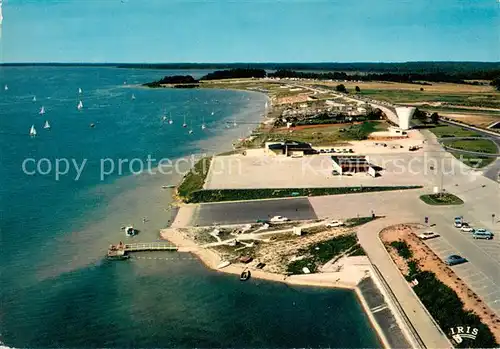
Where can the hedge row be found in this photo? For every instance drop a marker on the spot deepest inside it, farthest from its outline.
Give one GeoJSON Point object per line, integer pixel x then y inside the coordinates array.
{"type": "Point", "coordinates": [444, 305]}
{"type": "Point", "coordinates": [217, 195]}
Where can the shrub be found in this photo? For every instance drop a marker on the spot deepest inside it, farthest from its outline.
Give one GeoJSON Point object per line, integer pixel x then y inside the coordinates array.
{"type": "Point", "coordinates": [402, 248]}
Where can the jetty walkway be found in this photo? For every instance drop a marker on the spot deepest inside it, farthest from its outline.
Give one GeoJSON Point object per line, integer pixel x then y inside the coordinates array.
{"type": "Point", "coordinates": [122, 250]}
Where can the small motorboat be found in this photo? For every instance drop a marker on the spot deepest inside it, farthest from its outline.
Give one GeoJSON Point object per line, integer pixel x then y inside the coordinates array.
{"type": "Point", "coordinates": [168, 186]}
{"type": "Point", "coordinates": [245, 275]}
{"type": "Point", "coordinates": [117, 257]}
{"type": "Point", "coordinates": [223, 264]}
{"type": "Point", "coordinates": [130, 231]}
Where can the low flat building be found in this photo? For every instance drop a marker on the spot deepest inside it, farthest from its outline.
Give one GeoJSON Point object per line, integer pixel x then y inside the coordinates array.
{"type": "Point", "coordinates": [289, 148]}
{"type": "Point", "coordinates": [351, 164]}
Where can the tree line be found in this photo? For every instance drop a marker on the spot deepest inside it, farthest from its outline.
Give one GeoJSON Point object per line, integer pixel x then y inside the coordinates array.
{"type": "Point", "coordinates": [415, 78]}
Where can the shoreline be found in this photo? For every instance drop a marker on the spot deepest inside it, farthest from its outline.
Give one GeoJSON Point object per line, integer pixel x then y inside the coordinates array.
{"type": "Point", "coordinates": [341, 280]}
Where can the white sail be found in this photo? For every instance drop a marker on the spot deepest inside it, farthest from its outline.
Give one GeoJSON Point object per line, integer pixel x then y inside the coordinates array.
{"type": "Point", "coordinates": [42, 110]}
{"type": "Point", "coordinates": [80, 105]}
{"type": "Point", "coordinates": [6, 87]}
{"type": "Point", "coordinates": [34, 98]}
{"type": "Point", "coordinates": [213, 113]}
{"type": "Point", "coordinates": [32, 131]}
{"type": "Point", "coordinates": [80, 91]}
{"type": "Point", "coordinates": [133, 96]}
{"type": "Point", "coordinates": [170, 121]}
{"type": "Point", "coordinates": [47, 125]}
{"type": "Point", "coordinates": [203, 126]}
{"type": "Point", "coordinates": [184, 124]}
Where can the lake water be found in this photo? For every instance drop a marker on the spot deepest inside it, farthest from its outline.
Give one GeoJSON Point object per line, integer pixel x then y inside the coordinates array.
{"type": "Point", "coordinates": [56, 289]}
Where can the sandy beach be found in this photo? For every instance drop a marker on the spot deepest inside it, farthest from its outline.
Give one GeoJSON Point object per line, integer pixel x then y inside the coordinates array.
{"type": "Point", "coordinates": [347, 278]}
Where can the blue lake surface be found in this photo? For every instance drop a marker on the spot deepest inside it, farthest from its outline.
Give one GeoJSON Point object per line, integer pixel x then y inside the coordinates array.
{"type": "Point", "coordinates": [56, 289]}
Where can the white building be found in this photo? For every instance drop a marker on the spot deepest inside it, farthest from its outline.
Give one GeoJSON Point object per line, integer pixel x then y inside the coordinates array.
{"type": "Point", "coordinates": [404, 115]}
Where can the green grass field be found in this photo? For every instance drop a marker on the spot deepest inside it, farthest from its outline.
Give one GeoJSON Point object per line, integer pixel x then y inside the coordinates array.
{"type": "Point", "coordinates": [406, 96]}
{"type": "Point", "coordinates": [478, 145]}
{"type": "Point", "coordinates": [329, 134]}
{"type": "Point", "coordinates": [441, 199]}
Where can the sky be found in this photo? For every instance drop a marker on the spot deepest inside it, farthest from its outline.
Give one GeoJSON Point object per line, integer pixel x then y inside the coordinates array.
{"type": "Point", "coordinates": [153, 31]}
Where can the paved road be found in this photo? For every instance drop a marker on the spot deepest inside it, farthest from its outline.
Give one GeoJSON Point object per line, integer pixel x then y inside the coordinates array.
{"type": "Point", "coordinates": [250, 211]}
{"type": "Point", "coordinates": [368, 236]}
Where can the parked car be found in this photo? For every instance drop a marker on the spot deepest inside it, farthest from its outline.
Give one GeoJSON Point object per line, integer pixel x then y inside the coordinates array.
{"type": "Point", "coordinates": [482, 234]}
{"type": "Point", "coordinates": [466, 228]}
{"type": "Point", "coordinates": [428, 235]}
{"type": "Point", "coordinates": [458, 222]}
{"type": "Point", "coordinates": [454, 259]}
{"type": "Point", "coordinates": [334, 224]}
{"type": "Point", "coordinates": [277, 219]}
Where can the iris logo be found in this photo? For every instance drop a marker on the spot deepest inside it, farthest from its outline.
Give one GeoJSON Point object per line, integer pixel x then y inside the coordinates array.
{"type": "Point", "coordinates": [460, 332]}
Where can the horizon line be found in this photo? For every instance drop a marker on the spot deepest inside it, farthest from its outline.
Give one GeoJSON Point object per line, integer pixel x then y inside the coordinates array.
{"type": "Point", "coordinates": [229, 63]}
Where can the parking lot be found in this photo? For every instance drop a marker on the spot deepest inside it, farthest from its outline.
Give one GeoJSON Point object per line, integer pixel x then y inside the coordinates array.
{"type": "Point", "coordinates": [260, 170]}
{"type": "Point", "coordinates": [486, 286]}
{"type": "Point", "coordinates": [251, 211]}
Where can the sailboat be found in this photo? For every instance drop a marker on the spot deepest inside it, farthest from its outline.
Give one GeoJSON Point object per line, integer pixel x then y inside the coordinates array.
{"type": "Point", "coordinates": [191, 129]}
{"type": "Point", "coordinates": [42, 110]}
{"type": "Point", "coordinates": [34, 98]}
{"type": "Point", "coordinates": [170, 121]}
{"type": "Point", "coordinates": [213, 112]}
{"type": "Point", "coordinates": [203, 126]}
{"type": "Point", "coordinates": [133, 96]}
{"type": "Point", "coordinates": [6, 87]}
{"type": "Point", "coordinates": [184, 124]}
{"type": "Point", "coordinates": [32, 131]}
{"type": "Point", "coordinates": [80, 91]}
{"type": "Point", "coordinates": [47, 125]}
{"type": "Point", "coordinates": [80, 105]}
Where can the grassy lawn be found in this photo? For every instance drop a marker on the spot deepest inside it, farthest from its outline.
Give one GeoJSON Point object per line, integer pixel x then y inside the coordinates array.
{"type": "Point", "coordinates": [219, 195]}
{"type": "Point", "coordinates": [194, 180]}
{"type": "Point", "coordinates": [333, 134]}
{"type": "Point", "coordinates": [479, 145]}
{"type": "Point", "coordinates": [408, 96]}
{"type": "Point", "coordinates": [441, 199]}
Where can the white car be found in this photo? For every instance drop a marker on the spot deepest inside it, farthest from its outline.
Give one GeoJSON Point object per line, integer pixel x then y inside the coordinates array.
{"type": "Point", "coordinates": [278, 219]}
{"type": "Point", "coordinates": [467, 228]}
{"type": "Point", "coordinates": [334, 224]}
{"type": "Point", "coordinates": [428, 235]}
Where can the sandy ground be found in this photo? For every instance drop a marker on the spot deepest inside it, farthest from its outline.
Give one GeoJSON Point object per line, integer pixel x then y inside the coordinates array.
{"type": "Point", "coordinates": [435, 87]}
{"type": "Point", "coordinates": [292, 99]}
{"type": "Point", "coordinates": [348, 277]}
{"type": "Point", "coordinates": [474, 119]}
{"type": "Point", "coordinates": [259, 169]}
{"type": "Point", "coordinates": [427, 260]}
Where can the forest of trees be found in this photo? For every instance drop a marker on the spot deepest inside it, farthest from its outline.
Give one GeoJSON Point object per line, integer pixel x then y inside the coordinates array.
{"type": "Point", "coordinates": [237, 73]}
{"type": "Point", "coordinates": [393, 77]}
{"type": "Point", "coordinates": [176, 79]}
{"type": "Point", "coordinates": [416, 78]}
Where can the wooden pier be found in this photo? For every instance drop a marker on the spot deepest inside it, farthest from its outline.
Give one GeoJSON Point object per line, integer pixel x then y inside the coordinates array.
{"type": "Point", "coordinates": [150, 246]}
{"type": "Point", "coordinates": [121, 250]}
